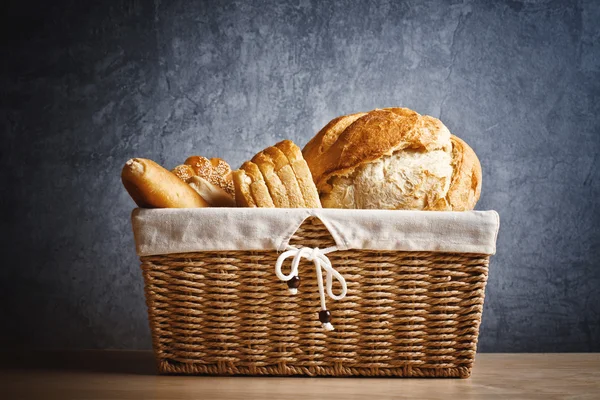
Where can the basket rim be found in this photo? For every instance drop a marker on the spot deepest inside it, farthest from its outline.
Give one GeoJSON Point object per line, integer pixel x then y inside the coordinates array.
{"type": "Point", "coordinates": [167, 231]}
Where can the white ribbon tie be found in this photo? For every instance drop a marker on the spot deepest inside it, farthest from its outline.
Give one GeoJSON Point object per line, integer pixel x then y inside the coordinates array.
{"type": "Point", "coordinates": [321, 261]}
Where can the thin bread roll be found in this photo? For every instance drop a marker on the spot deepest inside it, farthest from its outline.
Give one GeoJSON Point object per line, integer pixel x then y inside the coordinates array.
{"type": "Point", "coordinates": [301, 172]}
{"type": "Point", "coordinates": [241, 182]}
{"type": "Point", "coordinates": [152, 186]}
{"type": "Point", "coordinates": [258, 188]}
{"type": "Point", "coordinates": [276, 188]}
{"type": "Point", "coordinates": [286, 174]}
{"type": "Point", "coordinates": [393, 158]}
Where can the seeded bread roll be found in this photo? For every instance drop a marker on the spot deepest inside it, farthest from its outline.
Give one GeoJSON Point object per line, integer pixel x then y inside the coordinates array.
{"type": "Point", "coordinates": [393, 158]}
{"type": "Point", "coordinates": [152, 186]}
{"type": "Point", "coordinates": [215, 171]}
{"type": "Point", "coordinates": [211, 186]}
{"type": "Point", "coordinates": [183, 172]}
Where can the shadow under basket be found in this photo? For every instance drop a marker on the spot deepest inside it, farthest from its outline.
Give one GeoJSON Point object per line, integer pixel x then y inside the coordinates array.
{"type": "Point", "coordinates": [406, 314]}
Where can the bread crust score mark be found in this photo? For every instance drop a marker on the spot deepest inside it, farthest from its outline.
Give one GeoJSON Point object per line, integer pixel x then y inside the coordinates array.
{"type": "Point", "coordinates": [327, 136]}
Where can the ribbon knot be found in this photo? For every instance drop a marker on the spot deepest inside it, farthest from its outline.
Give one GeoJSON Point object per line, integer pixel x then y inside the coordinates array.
{"type": "Point", "coordinates": [321, 261]}
{"type": "Point", "coordinates": [314, 254]}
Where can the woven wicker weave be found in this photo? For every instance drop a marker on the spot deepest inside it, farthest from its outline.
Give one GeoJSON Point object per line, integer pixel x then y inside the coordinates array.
{"type": "Point", "coordinates": [410, 314]}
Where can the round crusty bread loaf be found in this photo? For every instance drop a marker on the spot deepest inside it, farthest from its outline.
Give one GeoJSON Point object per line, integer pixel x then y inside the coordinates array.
{"type": "Point", "coordinates": [393, 158]}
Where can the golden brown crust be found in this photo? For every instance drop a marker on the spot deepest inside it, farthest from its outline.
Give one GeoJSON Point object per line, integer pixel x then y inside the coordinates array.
{"type": "Point", "coordinates": [383, 132]}
{"type": "Point", "coordinates": [241, 182]}
{"type": "Point", "coordinates": [465, 186]}
{"type": "Point", "coordinates": [378, 133]}
{"type": "Point", "coordinates": [278, 177]}
{"type": "Point", "coordinates": [301, 172]}
{"type": "Point", "coordinates": [328, 135]}
{"type": "Point", "coordinates": [215, 171]}
{"type": "Point", "coordinates": [258, 188]}
{"type": "Point", "coordinates": [286, 174]}
{"type": "Point", "coordinates": [152, 186]}
{"type": "Point", "coordinates": [276, 188]}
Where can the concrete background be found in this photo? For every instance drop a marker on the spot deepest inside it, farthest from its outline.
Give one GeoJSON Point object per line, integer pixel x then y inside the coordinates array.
{"type": "Point", "coordinates": [87, 85]}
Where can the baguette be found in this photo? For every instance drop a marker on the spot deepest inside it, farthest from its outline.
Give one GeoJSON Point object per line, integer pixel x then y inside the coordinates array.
{"type": "Point", "coordinates": [152, 186]}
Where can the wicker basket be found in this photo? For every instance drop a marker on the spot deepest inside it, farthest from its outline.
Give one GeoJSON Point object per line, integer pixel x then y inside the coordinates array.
{"type": "Point", "coordinates": [406, 314]}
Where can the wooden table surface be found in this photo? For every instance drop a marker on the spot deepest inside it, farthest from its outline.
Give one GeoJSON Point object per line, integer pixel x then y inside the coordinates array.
{"type": "Point", "coordinates": [131, 375]}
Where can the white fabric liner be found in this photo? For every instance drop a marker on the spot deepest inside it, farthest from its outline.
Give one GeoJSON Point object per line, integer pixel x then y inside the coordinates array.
{"type": "Point", "coordinates": [170, 230]}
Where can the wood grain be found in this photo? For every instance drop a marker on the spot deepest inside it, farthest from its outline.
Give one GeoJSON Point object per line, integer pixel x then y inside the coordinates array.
{"type": "Point", "coordinates": [131, 375]}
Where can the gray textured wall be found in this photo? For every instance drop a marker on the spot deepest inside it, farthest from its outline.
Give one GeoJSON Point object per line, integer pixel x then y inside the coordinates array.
{"type": "Point", "coordinates": [86, 86]}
